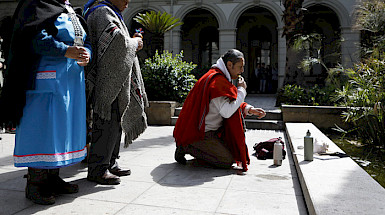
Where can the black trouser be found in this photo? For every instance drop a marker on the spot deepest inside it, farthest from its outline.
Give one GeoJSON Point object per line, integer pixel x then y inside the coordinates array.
{"type": "Point", "coordinates": [105, 142]}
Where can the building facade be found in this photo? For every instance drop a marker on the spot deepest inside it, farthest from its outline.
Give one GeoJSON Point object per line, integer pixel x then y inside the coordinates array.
{"type": "Point", "coordinates": [253, 26]}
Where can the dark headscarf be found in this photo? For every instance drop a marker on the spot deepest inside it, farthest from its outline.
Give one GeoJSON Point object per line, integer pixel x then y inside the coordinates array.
{"type": "Point", "coordinates": [29, 19]}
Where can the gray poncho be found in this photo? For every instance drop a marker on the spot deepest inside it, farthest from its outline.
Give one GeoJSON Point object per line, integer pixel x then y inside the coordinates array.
{"type": "Point", "coordinates": [114, 72]}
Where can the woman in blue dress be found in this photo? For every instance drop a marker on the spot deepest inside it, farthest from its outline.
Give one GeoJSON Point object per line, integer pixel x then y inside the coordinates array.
{"type": "Point", "coordinates": [44, 93]}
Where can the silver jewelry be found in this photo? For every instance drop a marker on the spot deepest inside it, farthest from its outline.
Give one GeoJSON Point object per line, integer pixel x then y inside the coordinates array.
{"type": "Point", "coordinates": [78, 41]}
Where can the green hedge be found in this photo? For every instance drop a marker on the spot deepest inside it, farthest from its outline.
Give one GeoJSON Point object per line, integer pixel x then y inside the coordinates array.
{"type": "Point", "coordinates": [168, 78]}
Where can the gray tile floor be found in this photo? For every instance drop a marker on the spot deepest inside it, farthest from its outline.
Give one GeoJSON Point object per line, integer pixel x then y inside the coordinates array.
{"type": "Point", "coordinates": [159, 185]}
{"type": "Point", "coordinates": [265, 101]}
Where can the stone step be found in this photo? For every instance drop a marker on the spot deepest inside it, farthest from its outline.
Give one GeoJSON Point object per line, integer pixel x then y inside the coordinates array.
{"type": "Point", "coordinates": [270, 114]}
{"type": "Point", "coordinates": [264, 124]}
{"type": "Point", "coordinates": [272, 121]}
{"type": "Point", "coordinates": [177, 111]}
{"type": "Point", "coordinates": [173, 120]}
{"type": "Point", "coordinates": [253, 124]}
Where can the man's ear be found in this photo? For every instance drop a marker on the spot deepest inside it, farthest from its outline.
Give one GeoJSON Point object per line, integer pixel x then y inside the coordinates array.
{"type": "Point", "coordinates": [229, 64]}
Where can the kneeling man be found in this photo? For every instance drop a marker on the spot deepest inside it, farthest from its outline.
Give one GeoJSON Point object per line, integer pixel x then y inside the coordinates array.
{"type": "Point", "coordinates": [210, 126]}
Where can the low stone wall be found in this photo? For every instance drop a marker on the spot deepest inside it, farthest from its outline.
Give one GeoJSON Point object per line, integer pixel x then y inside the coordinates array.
{"type": "Point", "coordinates": [323, 117]}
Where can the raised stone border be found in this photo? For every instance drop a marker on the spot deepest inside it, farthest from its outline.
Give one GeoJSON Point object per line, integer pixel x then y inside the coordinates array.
{"type": "Point", "coordinates": [333, 185]}
{"type": "Point", "coordinates": [321, 116]}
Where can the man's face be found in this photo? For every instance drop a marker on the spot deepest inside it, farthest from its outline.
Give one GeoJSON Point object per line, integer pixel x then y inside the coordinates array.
{"type": "Point", "coordinates": [236, 69]}
{"type": "Point", "coordinates": [121, 4]}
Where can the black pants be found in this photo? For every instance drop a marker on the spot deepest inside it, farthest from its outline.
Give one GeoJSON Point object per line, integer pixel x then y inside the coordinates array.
{"type": "Point", "coordinates": [105, 142]}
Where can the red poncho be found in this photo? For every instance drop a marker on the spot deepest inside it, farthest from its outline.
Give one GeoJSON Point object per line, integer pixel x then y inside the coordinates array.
{"type": "Point", "coordinates": [190, 126]}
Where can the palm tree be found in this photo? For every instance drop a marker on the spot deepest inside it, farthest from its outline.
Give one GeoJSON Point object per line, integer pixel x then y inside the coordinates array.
{"type": "Point", "coordinates": [157, 23]}
{"type": "Point", "coordinates": [293, 18]}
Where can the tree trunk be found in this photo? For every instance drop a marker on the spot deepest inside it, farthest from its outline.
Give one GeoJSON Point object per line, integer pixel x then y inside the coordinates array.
{"type": "Point", "coordinates": [293, 18]}
{"type": "Point", "coordinates": [157, 43]}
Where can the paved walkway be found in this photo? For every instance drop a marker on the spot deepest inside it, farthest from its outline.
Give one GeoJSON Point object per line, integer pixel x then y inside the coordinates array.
{"type": "Point", "coordinates": [265, 101]}
{"type": "Point", "coordinates": [159, 185]}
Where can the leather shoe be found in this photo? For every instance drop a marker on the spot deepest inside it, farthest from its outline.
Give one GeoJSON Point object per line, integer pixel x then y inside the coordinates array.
{"type": "Point", "coordinates": [179, 155]}
{"type": "Point", "coordinates": [120, 172]}
{"type": "Point", "coordinates": [106, 179]}
{"type": "Point", "coordinates": [59, 186]}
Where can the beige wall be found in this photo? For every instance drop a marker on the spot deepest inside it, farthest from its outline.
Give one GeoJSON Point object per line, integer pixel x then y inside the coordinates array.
{"type": "Point", "coordinates": [227, 13]}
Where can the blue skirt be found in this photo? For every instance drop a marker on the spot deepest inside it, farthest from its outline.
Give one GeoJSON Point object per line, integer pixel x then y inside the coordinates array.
{"type": "Point", "coordinates": [52, 131]}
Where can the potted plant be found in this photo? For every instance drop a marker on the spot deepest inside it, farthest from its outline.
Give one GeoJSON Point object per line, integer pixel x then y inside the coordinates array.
{"type": "Point", "coordinates": [168, 80]}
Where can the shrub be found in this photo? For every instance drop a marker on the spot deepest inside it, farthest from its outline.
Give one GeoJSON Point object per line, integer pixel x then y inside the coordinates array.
{"type": "Point", "coordinates": [297, 95]}
{"type": "Point", "coordinates": [292, 94]}
{"type": "Point", "coordinates": [364, 95]}
{"type": "Point", "coordinates": [168, 78]}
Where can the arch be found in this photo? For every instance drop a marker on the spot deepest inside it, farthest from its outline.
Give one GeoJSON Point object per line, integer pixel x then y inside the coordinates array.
{"type": "Point", "coordinates": [216, 11]}
{"type": "Point", "coordinates": [322, 20]}
{"type": "Point", "coordinates": [128, 15]}
{"type": "Point", "coordinates": [272, 7]}
{"type": "Point", "coordinates": [336, 6]}
{"type": "Point", "coordinates": [200, 37]}
{"type": "Point", "coordinates": [257, 37]}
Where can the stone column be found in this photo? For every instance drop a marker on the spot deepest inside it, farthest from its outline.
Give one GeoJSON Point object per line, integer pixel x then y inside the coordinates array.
{"type": "Point", "coordinates": [227, 39]}
{"type": "Point", "coordinates": [172, 40]}
{"type": "Point", "coordinates": [176, 40]}
{"type": "Point", "coordinates": [281, 57]}
{"type": "Point", "coordinates": [167, 41]}
{"type": "Point", "coordinates": [350, 50]}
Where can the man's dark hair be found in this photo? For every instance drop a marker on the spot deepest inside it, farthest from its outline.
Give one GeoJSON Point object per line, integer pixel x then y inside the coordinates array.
{"type": "Point", "coordinates": [232, 55]}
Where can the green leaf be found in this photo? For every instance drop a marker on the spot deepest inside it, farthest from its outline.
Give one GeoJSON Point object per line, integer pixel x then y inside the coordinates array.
{"type": "Point", "coordinates": [157, 22]}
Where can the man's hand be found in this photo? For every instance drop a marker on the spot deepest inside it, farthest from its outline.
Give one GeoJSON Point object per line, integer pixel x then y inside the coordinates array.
{"type": "Point", "coordinates": [242, 82]}
{"type": "Point", "coordinates": [140, 43]}
{"type": "Point", "coordinates": [78, 53]}
{"type": "Point", "coordinates": [258, 112]}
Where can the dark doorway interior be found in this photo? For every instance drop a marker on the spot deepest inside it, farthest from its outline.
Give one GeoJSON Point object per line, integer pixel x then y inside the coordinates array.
{"type": "Point", "coordinates": [200, 40]}
{"type": "Point", "coordinates": [257, 38]}
{"type": "Point", "coordinates": [259, 60]}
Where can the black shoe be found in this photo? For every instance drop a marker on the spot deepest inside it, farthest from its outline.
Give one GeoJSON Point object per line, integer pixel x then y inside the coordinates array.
{"type": "Point", "coordinates": [59, 186]}
{"type": "Point", "coordinates": [38, 188]}
{"type": "Point", "coordinates": [106, 179]}
{"type": "Point", "coordinates": [179, 155]}
{"type": "Point", "coordinates": [120, 172]}
{"type": "Point", "coordinates": [38, 194]}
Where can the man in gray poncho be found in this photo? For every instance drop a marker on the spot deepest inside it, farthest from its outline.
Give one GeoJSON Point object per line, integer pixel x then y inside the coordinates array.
{"type": "Point", "coordinates": [116, 89]}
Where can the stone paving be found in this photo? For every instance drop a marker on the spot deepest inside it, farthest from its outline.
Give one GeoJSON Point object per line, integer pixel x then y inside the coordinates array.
{"type": "Point", "coordinates": [265, 101]}
{"type": "Point", "coordinates": [159, 185]}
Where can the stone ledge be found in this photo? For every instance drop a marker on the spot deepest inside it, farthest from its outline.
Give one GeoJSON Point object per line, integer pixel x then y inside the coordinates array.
{"type": "Point", "coordinates": [333, 185]}
{"type": "Point", "coordinates": [264, 124]}
{"type": "Point", "coordinates": [321, 116]}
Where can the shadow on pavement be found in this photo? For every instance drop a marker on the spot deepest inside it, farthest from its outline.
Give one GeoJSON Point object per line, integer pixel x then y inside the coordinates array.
{"type": "Point", "coordinates": [190, 174]}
